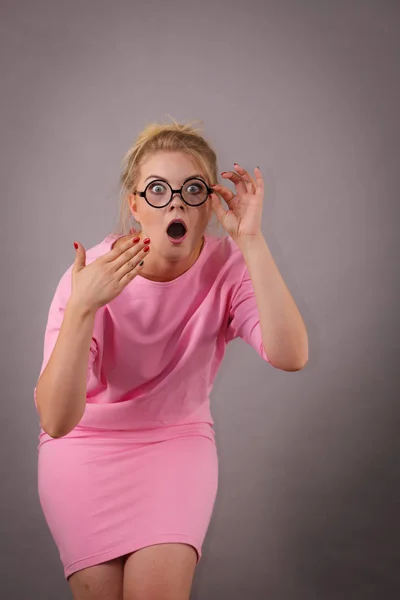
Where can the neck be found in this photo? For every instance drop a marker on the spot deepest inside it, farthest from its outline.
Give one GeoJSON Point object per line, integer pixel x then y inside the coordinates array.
{"type": "Point", "coordinates": [162, 269]}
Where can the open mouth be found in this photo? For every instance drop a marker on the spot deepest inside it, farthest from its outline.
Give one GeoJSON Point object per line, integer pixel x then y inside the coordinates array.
{"type": "Point", "coordinates": [177, 230]}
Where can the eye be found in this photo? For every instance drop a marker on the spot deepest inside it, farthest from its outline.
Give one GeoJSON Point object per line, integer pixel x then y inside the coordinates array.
{"type": "Point", "coordinates": [196, 188]}
{"type": "Point", "coordinates": [155, 185]}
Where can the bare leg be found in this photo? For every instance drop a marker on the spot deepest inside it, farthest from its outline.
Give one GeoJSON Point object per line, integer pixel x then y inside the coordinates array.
{"type": "Point", "coordinates": [100, 582]}
{"type": "Point", "coordinates": [162, 571]}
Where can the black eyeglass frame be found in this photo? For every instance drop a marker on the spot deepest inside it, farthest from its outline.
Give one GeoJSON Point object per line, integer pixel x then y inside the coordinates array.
{"type": "Point", "coordinates": [143, 194]}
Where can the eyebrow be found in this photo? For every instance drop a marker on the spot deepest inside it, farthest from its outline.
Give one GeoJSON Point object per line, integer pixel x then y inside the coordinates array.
{"type": "Point", "coordinates": [163, 178]}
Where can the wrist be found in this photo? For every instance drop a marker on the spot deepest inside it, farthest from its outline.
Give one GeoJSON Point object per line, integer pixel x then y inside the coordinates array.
{"type": "Point", "coordinates": [80, 309]}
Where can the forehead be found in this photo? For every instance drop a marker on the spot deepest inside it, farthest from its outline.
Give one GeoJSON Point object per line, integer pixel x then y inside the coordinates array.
{"type": "Point", "coordinates": [174, 166]}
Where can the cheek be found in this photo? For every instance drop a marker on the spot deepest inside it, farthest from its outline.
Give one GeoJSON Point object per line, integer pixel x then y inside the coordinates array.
{"type": "Point", "coordinates": [209, 209]}
{"type": "Point", "coordinates": [150, 217]}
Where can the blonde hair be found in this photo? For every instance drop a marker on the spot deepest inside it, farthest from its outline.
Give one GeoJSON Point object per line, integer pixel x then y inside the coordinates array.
{"type": "Point", "coordinates": [155, 137]}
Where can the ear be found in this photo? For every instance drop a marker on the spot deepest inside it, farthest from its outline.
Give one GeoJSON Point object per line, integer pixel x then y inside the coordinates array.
{"type": "Point", "coordinates": [133, 207]}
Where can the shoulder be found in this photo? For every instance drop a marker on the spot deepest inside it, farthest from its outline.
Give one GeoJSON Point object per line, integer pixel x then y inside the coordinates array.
{"type": "Point", "coordinates": [112, 240]}
{"type": "Point", "coordinates": [224, 251]}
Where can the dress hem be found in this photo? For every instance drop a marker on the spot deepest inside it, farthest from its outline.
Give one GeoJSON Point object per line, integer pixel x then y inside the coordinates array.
{"type": "Point", "coordinates": [121, 550]}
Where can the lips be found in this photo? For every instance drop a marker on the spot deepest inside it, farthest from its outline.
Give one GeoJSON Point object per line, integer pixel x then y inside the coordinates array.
{"type": "Point", "coordinates": [174, 231]}
{"type": "Point", "coordinates": [177, 221]}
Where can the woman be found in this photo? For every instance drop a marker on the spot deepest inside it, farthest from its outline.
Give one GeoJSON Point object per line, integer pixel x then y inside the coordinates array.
{"type": "Point", "coordinates": [137, 329]}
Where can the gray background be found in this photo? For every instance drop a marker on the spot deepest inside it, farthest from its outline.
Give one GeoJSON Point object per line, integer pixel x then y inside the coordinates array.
{"type": "Point", "coordinates": [308, 498]}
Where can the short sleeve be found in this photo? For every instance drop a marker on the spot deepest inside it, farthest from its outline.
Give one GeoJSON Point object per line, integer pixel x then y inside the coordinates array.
{"type": "Point", "coordinates": [244, 320]}
{"type": "Point", "coordinates": [54, 322]}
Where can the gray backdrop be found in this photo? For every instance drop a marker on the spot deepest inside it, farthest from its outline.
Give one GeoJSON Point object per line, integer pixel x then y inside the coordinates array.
{"type": "Point", "coordinates": [308, 498]}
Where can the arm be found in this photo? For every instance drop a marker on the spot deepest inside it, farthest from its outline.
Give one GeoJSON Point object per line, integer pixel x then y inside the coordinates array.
{"type": "Point", "coordinates": [61, 388]}
{"type": "Point", "coordinates": [284, 334]}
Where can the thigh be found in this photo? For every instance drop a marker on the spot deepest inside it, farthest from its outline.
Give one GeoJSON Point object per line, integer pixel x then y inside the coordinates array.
{"type": "Point", "coordinates": [100, 582]}
{"type": "Point", "coordinates": [161, 571]}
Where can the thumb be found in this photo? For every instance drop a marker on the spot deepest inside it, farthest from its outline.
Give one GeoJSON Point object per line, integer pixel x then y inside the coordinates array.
{"type": "Point", "coordinates": [80, 258]}
{"type": "Point", "coordinates": [217, 207]}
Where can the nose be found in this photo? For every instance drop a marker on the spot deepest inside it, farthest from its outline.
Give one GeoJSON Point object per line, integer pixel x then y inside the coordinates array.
{"type": "Point", "coordinates": [176, 199]}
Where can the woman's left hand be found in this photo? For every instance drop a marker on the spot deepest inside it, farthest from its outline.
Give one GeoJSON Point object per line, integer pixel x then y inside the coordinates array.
{"type": "Point", "coordinates": [243, 218]}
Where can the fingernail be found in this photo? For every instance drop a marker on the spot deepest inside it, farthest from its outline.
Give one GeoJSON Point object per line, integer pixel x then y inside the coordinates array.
{"type": "Point", "coordinates": [141, 263]}
{"type": "Point", "coordinates": [135, 240]}
{"type": "Point", "coordinates": [76, 246]}
{"type": "Point", "coordinates": [146, 241]}
{"type": "Point", "coordinates": [146, 249]}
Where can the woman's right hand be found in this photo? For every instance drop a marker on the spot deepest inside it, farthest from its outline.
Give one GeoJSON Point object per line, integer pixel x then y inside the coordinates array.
{"type": "Point", "coordinates": [100, 282]}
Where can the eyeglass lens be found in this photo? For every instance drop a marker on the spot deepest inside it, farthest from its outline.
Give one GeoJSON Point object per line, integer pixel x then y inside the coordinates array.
{"type": "Point", "coordinates": [194, 192]}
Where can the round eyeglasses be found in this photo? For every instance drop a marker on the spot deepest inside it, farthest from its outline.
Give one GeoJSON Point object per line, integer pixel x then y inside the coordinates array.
{"type": "Point", "coordinates": [159, 193]}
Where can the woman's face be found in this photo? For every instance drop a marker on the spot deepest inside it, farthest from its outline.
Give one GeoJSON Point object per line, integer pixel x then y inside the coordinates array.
{"type": "Point", "coordinates": [166, 258]}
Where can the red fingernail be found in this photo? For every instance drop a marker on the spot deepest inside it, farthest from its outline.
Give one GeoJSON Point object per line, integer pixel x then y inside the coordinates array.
{"type": "Point", "coordinates": [135, 240]}
{"type": "Point", "coordinates": [146, 249]}
{"type": "Point", "coordinates": [146, 241]}
{"type": "Point", "coordinates": [76, 246]}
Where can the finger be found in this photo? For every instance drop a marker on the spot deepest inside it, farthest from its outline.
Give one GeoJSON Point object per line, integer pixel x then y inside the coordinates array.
{"type": "Point", "coordinates": [236, 180]}
{"type": "Point", "coordinates": [217, 206]}
{"type": "Point", "coordinates": [80, 257]}
{"type": "Point", "coordinates": [130, 270]}
{"type": "Point", "coordinates": [259, 179]}
{"type": "Point", "coordinates": [130, 254]}
{"type": "Point", "coordinates": [249, 181]}
{"type": "Point", "coordinates": [117, 251]}
{"type": "Point", "coordinates": [121, 240]}
{"type": "Point", "coordinates": [225, 192]}
{"type": "Point", "coordinates": [130, 266]}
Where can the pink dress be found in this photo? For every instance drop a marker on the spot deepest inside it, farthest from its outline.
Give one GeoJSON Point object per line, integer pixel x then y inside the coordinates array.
{"type": "Point", "coordinates": [141, 467]}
